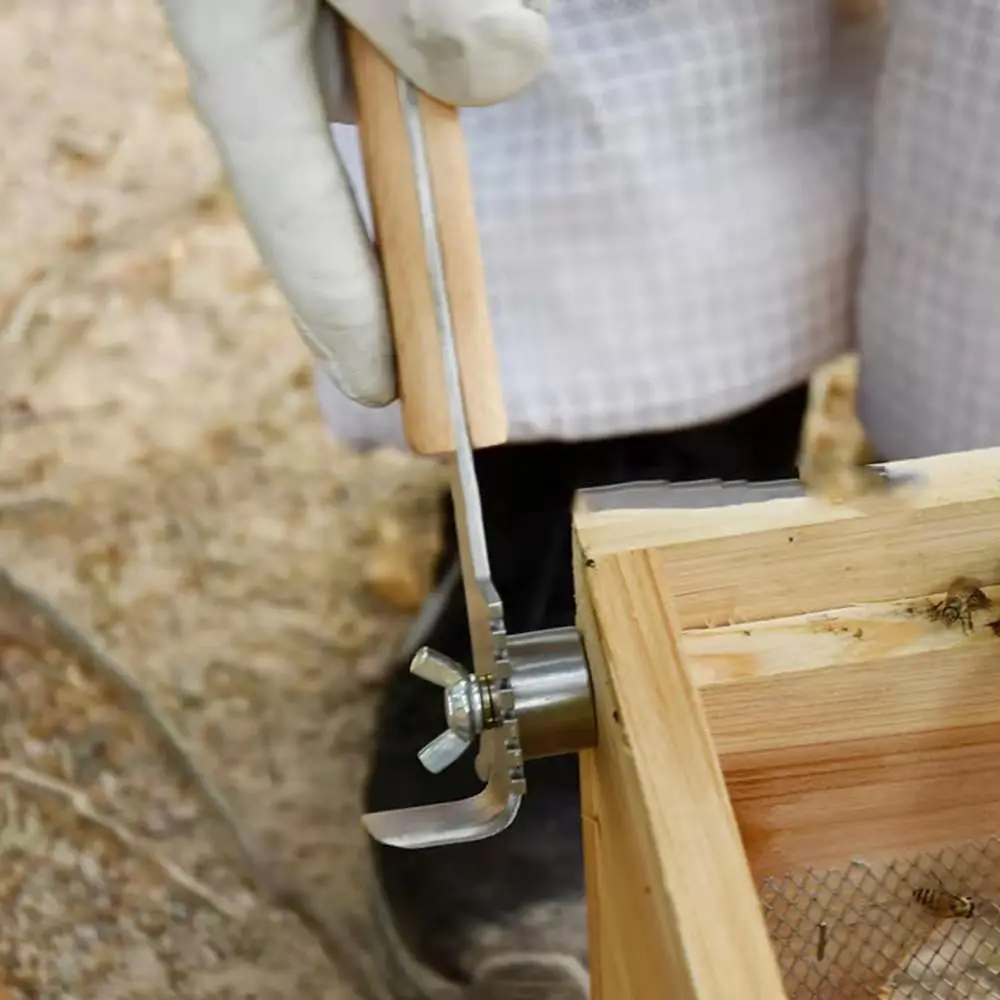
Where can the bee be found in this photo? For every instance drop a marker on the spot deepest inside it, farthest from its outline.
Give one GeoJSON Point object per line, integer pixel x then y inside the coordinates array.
{"type": "Point", "coordinates": [821, 941]}
{"type": "Point", "coordinates": [964, 596]}
{"type": "Point", "coordinates": [994, 627]}
{"type": "Point", "coordinates": [944, 904]}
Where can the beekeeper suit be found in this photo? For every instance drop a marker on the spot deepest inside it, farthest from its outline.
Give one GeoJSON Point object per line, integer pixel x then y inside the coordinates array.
{"type": "Point", "coordinates": [684, 207]}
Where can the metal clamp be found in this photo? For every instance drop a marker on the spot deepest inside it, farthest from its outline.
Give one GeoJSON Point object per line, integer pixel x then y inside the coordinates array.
{"type": "Point", "coordinates": [551, 692]}
{"type": "Point", "coordinates": [548, 693]}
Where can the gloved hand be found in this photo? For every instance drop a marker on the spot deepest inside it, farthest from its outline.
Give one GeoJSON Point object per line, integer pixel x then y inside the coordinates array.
{"type": "Point", "coordinates": [267, 77]}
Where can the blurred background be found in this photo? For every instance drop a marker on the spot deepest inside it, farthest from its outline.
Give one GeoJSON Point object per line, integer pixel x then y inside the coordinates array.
{"type": "Point", "coordinates": [186, 558]}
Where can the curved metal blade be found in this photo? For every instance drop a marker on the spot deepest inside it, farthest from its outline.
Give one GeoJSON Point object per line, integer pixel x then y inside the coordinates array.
{"type": "Point", "coordinates": [460, 822]}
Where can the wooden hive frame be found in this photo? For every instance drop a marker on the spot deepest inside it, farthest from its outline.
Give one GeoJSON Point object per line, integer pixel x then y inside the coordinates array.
{"type": "Point", "coordinates": [771, 695]}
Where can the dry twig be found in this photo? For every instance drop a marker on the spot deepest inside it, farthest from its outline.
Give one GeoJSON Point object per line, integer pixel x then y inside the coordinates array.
{"type": "Point", "coordinates": [73, 641]}
{"type": "Point", "coordinates": [342, 943]}
{"type": "Point", "coordinates": [31, 507]}
{"type": "Point", "coordinates": [82, 806]}
{"type": "Point", "coordinates": [38, 292]}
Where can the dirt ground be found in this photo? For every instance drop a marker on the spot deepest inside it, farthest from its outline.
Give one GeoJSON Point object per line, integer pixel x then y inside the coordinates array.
{"type": "Point", "coordinates": [166, 484]}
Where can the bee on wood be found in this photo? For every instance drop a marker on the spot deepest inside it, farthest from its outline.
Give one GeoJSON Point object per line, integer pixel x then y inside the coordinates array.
{"type": "Point", "coordinates": [943, 904]}
{"type": "Point", "coordinates": [994, 627]}
{"type": "Point", "coordinates": [964, 596]}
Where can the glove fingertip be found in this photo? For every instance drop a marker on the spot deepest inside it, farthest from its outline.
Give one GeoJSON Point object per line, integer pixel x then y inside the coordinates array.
{"type": "Point", "coordinates": [362, 366]}
{"type": "Point", "coordinates": [371, 387]}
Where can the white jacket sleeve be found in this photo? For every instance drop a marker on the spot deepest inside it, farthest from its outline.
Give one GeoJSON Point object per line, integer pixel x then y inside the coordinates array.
{"type": "Point", "coordinates": [929, 311]}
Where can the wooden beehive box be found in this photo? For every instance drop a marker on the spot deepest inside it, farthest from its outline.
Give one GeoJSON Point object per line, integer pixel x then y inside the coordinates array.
{"type": "Point", "coordinates": [773, 698]}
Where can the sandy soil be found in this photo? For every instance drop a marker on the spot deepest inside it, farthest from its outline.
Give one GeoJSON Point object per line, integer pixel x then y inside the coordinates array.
{"type": "Point", "coordinates": [166, 484]}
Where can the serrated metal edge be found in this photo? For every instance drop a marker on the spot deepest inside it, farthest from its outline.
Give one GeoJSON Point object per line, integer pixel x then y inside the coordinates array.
{"type": "Point", "coordinates": [701, 494]}
{"type": "Point", "coordinates": [696, 494]}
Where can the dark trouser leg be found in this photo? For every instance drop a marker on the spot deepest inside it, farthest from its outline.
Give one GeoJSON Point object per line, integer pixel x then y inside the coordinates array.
{"type": "Point", "coordinates": [441, 900]}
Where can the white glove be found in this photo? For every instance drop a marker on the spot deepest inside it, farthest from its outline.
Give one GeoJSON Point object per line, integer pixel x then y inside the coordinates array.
{"type": "Point", "coordinates": [267, 77]}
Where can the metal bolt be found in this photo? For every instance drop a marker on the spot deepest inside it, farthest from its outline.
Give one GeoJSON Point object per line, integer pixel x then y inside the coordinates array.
{"type": "Point", "coordinates": [552, 698]}
{"type": "Point", "coordinates": [466, 708]}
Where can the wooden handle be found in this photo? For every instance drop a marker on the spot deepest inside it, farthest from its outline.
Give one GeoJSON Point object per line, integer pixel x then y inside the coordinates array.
{"type": "Point", "coordinates": [398, 233]}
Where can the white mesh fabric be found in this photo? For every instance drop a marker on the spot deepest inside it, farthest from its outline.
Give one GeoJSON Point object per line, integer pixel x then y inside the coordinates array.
{"type": "Point", "coordinates": [667, 217]}
{"type": "Point", "coordinates": [929, 309]}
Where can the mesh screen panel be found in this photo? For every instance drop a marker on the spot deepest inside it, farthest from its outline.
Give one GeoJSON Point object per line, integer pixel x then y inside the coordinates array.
{"type": "Point", "coordinates": [887, 931]}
